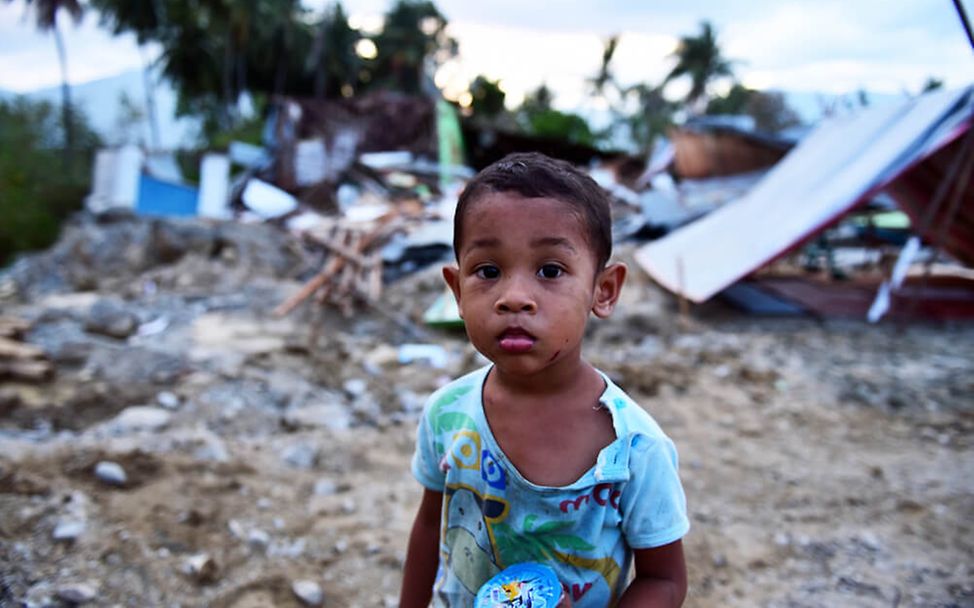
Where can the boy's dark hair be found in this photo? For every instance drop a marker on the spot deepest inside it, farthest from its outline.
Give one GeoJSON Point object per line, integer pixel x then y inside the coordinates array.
{"type": "Point", "coordinates": [534, 175]}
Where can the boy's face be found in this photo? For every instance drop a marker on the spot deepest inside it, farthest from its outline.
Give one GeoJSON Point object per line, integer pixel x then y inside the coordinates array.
{"type": "Point", "coordinates": [526, 282]}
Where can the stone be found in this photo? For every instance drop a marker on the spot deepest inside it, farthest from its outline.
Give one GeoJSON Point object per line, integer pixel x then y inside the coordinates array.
{"type": "Point", "coordinates": [69, 530]}
{"type": "Point", "coordinates": [168, 400]}
{"type": "Point", "coordinates": [324, 415]}
{"type": "Point", "coordinates": [140, 418]}
{"type": "Point", "coordinates": [111, 473]}
{"type": "Point", "coordinates": [355, 387]}
{"type": "Point", "coordinates": [202, 568]}
{"type": "Point", "coordinates": [300, 456]}
{"type": "Point", "coordinates": [77, 593]}
{"type": "Point", "coordinates": [258, 539]}
{"type": "Point", "coordinates": [325, 487]}
{"type": "Point", "coordinates": [309, 592]}
{"type": "Point", "coordinates": [110, 318]}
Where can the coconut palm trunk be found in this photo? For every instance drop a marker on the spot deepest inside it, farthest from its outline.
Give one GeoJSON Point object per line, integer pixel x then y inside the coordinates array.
{"type": "Point", "coordinates": [66, 117]}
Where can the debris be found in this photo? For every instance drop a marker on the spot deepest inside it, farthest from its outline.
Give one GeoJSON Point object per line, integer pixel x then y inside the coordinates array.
{"type": "Point", "coordinates": [258, 539]}
{"type": "Point", "coordinates": [168, 400]}
{"type": "Point", "coordinates": [433, 354]}
{"type": "Point", "coordinates": [203, 568]}
{"type": "Point", "coordinates": [19, 360]}
{"type": "Point", "coordinates": [309, 592]}
{"type": "Point", "coordinates": [77, 593]}
{"type": "Point", "coordinates": [140, 418]}
{"type": "Point", "coordinates": [348, 272]}
{"type": "Point", "coordinates": [854, 157]}
{"type": "Point", "coordinates": [111, 473]}
{"type": "Point", "coordinates": [267, 200]}
{"type": "Point", "coordinates": [153, 327]}
{"type": "Point", "coordinates": [444, 311]}
{"type": "Point", "coordinates": [323, 415]}
{"type": "Point", "coordinates": [69, 530]}
{"type": "Point", "coordinates": [325, 487]}
{"type": "Point", "coordinates": [214, 186]}
{"type": "Point", "coordinates": [109, 318]}
{"type": "Point", "coordinates": [300, 456]}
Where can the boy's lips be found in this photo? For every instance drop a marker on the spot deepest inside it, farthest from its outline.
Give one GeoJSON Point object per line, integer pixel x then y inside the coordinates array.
{"type": "Point", "coordinates": [515, 340]}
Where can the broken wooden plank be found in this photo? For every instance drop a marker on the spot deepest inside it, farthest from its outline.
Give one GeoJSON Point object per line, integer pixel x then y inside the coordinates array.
{"type": "Point", "coordinates": [27, 370]}
{"type": "Point", "coordinates": [13, 327]}
{"type": "Point", "coordinates": [387, 224]}
{"type": "Point", "coordinates": [11, 349]}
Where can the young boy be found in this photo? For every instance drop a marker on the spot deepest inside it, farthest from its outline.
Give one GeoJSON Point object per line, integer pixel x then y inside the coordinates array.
{"type": "Point", "coordinates": [539, 457]}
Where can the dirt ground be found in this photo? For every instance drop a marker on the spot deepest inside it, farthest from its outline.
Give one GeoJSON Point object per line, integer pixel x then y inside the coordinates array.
{"type": "Point", "coordinates": [825, 463]}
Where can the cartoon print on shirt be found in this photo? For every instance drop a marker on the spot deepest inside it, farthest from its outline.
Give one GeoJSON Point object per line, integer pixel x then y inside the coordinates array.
{"type": "Point", "coordinates": [449, 421]}
{"type": "Point", "coordinates": [465, 450]}
{"type": "Point", "coordinates": [551, 542]}
{"type": "Point", "coordinates": [472, 559]}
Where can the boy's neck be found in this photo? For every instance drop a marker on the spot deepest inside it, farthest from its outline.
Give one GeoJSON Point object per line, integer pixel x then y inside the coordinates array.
{"type": "Point", "coordinates": [567, 378]}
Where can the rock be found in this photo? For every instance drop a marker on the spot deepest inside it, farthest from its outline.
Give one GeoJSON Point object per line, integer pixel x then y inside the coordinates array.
{"type": "Point", "coordinates": [111, 473]}
{"type": "Point", "coordinates": [330, 416]}
{"type": "Point", "coordinates": [168, 400]}
{"type": "Point", "coordinates": [202, 568]}
{"type": "Point", "coordinates": [69, 530]}
{"type": "Point", "coordinates": [78, 593]}
{"type": "Point", "coordinates": [355, 387]}
{"type": "Point", "coordinates": [309, 592]}
{"type": "Point", "coordinates": [258, 539]}
{"type": "Point", "coordinates": [382, 356]}
{"type": "Point", "coordinates": [237, 529]}
{"type": "Point", "coordinates": [411, 401]}
{"type": "Point", "coordinates": [325, 487]}
{"type": "Point", "coordinates": [140, 418]}
{"type": "Point", "coordinates": [300, 456]}
{"type": "Point", "coordinates": [110, 318]}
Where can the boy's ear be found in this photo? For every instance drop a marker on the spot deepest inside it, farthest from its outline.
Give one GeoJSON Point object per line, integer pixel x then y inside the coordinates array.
{"type": "Point", "coordinates": [451, 274]}
{"type": "Point", "coordinates": [608, 286]}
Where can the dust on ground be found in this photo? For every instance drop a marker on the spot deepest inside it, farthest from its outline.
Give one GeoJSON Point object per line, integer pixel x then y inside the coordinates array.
{"type": "Point", "coordinates": [825, 463]}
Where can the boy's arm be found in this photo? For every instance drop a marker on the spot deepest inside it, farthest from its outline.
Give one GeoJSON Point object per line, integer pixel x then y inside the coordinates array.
{"type": "Point", "coordinates": [661, 578]}
{"type": "Point", "coordinates": [423, 554]}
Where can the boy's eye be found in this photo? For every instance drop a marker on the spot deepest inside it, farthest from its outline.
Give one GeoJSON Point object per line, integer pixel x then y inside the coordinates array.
{"type": "Point", "coordinates": [550, 271]}
{"type": "Point", "coordinates": [488, 272]}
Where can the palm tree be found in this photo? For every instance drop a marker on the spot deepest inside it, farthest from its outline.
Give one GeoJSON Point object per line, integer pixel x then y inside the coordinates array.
{"type": "Point", "coordinates": [605, 76]}
{"type": "Point", "coordinates": [46, 13]}
{"type": "Point", "coordinates": [333, 60]}
{"type": "Point", "coordinates": [145, 19]}
{"type": "Point", "coordinates": [699, 58]}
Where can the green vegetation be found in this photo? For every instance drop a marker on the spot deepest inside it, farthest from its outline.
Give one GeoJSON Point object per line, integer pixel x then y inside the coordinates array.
{"type": "Point", "coordinates": [36, 191]}
{"type": "Point", "coordinates": [216, 51]}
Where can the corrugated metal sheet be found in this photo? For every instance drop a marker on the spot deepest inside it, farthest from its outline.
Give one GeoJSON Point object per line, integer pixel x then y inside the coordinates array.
{"type": "Point", "coordinates": [841, 164]}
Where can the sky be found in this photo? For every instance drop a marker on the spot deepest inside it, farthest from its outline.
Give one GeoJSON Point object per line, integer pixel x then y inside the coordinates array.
{"type": "Point", "coordinates": [823, 46]}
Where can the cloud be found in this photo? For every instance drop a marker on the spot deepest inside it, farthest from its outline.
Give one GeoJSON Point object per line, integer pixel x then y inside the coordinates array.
{"type": "Point", "coordinates": [28, 57]}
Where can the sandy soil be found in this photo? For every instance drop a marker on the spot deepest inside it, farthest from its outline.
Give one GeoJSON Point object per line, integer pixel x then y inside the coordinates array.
{"type": "Point", "coordinates": [825, 463]}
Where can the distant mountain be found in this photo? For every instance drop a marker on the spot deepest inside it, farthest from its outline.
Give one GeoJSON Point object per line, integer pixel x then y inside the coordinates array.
{"type": "Point", "coordinates": [101, 101]}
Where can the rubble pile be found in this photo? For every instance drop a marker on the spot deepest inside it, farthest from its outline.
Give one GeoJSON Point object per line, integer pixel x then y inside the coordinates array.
{"type": "Point", "coordinates": [189, 446]}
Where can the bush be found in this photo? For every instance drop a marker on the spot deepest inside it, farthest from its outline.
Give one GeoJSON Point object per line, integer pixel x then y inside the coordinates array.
{"type": "Point", "coordinates": [40, 185]}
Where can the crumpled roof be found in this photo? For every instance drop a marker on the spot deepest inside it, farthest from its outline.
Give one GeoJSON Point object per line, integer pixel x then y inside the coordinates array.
{"type": "Point", "coordinates": [841, 164]}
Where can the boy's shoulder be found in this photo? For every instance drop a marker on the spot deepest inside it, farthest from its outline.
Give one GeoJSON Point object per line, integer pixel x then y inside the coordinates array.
{"type": "Point", "coordinates": [459, 393]}
{"type": "Point", "coordinates": [629, 418]}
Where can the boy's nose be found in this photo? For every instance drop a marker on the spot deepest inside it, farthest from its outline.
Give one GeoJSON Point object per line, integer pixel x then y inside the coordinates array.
{"type": "Point", "coordinates": [515, 297]}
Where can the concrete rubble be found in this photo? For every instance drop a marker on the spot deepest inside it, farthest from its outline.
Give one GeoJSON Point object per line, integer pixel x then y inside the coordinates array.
{"type": "Point", "coordinates": [190, 447]}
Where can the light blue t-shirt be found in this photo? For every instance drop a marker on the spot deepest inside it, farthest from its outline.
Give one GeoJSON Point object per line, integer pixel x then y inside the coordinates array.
{"type": "Point", "coordinates": [492, 517]}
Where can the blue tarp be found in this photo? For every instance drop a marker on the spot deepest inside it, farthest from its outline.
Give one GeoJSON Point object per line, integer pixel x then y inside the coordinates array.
{"type": "Point", "coordinates": [158, 197]}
